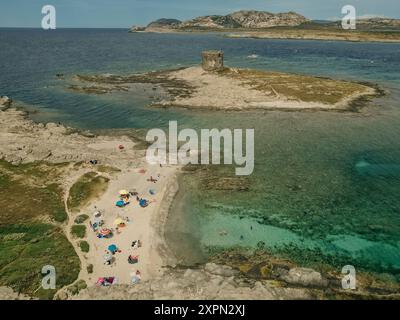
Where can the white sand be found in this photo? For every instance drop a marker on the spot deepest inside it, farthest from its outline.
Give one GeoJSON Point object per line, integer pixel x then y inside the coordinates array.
{"type": "Point", "coordinates": [142, 226]}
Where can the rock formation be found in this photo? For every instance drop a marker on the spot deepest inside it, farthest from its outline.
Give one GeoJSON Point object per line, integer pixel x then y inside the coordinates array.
{"type": "Point", "coordinates": [5, 102]}
{"type": "Point", "coordinates": [137, 29]}
{"type": "Point", "coordinates": [209, 282]}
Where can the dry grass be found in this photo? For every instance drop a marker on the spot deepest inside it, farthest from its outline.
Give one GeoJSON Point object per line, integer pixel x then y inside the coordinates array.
{"type": "Point", "coordinates": [318, 34]}
{"type": "Point", "coordinates": [88, 187]}
{"type": "Point", "coordinates": [296, 87]}
{"type": "Point", "coordinates": [30, 193]}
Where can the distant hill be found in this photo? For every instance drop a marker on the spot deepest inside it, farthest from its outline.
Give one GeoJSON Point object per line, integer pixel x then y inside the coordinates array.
{"type": "Point", "coordinates": [164, 23]}
{"type": "Point", "coordinates": [289, 25]}
{"type": "Point", "coordinates": [245, 19]}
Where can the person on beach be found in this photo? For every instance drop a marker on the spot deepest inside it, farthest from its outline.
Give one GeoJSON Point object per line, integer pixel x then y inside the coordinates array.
{"type": "Point", "coordinates": [136, 244]}
{"type": "Point", "coordinates": [133, 259]}
{"type": "Point", "coordinates": [137, 277]}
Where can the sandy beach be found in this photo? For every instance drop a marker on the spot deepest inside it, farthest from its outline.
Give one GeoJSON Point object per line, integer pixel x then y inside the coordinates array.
{"type": "Point", "coordinates": [141, 225]}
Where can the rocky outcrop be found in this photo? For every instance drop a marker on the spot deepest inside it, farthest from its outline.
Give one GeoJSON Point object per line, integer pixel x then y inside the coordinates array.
{"type": "Point", "coordinates": [305, 277]}
{"type": "Point", "coordinates": [263, 19]}
{"type": "Point", "coordinates": [238, 20]}
{"type": "Point", "coordinates": [5, 103]}
{"type": "Point", "coordinates": [207, 283]}
{"type": "Point", "coordinates": [23, 141]}
{"type": "Point", "coordinates": [137, 29]}
{"type": "Point", "coordinates": [219, 22]}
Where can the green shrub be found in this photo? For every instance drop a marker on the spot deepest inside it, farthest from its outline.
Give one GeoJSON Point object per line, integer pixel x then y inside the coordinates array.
{"type": "Point", "coordinates": [84, 246]}
{"type": "Point", "coordinates": [81, 218]}
{"type": "Point", "coordinates": [77, 286]}
{"type": "Point", "coordinates": [88, 187]}
{"type": "Point", "coordinates": [78, 231]}
{"type": "Point", "coordinates": [89, 268]}
{"type": "Point", "coordinates": [26, 248]}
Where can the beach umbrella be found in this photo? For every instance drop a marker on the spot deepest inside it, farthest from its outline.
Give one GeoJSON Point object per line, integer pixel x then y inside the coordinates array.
{"type": "Point", "coordinates": [112, 248]}
{"type": "Point", "coordinates": [97, 214]}
{"type": "Point", "coordinates": [118, 221]}
{"type": "Point", "coordinates": [105, 232]}
{"type": "Point", "coordinates": [107, 257]}
{"type": "Point", "coordinates": [123, 192]}
{"type": "Point", "coordinates": [120, 204]}
{"type": "Point", "coordinates": [143, 203]}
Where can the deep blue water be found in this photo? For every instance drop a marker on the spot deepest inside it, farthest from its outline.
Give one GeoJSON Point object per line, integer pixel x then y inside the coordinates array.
{"type": "Point", "coordinates": [309, 187]}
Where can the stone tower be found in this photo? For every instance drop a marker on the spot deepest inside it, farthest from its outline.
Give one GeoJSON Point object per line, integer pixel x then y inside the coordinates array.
{"type": "Point", "coordinates": [213, 60]}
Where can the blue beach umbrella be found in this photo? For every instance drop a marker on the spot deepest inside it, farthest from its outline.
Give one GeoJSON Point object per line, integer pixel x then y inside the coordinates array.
{"type": "Point", "coordinates": [120, 203]}
{"type": "Point", "coordinates": [112, 248]}
{"type": "Point", "coordinates": [143, 203]}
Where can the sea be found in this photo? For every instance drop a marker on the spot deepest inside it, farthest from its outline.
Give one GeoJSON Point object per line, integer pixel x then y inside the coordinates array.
{"type": "Point", "coordinates": [326, 185]}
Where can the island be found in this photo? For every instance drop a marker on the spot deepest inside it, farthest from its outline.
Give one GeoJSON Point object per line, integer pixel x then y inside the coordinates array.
{"type": "Point", "coordinates": [216, 87]}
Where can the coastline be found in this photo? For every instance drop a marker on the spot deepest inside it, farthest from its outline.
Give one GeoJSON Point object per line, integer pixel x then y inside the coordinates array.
{"type": "Point", "coordinates": [294, 34]}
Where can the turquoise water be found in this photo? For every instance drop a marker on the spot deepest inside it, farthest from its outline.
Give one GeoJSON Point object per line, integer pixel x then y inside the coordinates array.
{"type": "Point", "coordinates": [325, 183]}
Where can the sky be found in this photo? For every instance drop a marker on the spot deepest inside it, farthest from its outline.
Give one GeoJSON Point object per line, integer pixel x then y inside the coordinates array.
{"type": "Point", "coordinates": [125, 13]}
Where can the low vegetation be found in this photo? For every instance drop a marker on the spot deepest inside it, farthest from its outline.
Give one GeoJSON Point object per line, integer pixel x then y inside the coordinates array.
{"type": "Point", "coordinates": [26, 248]}
{"type": "Point", "coordinates": [31, 201]}
{"type": "Point", "coordinates": [78, 231]}
{"type": "Point", "coordinates": [107, 169]}
{"type": "Point", "coordinates": [89, 268]}
{"type": "Point", "coordinates": [81, 218]}
{"type": "Point", "coordinates": [297, 87]}
{"type": "Point", "coordinates": [30, 191]}
{"type": "Point", "coordinates": [84, 245]}
{"type": "Point", "coordinates": [88, 187]}
{"type": "Point", "coordinates": [77, 286]}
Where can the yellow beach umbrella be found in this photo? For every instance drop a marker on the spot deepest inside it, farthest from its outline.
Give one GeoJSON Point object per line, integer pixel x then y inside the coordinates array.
{"type": "Point", "coordinates": [118, 221]}
{"type": "Point", "coordinates": [123, 192]}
